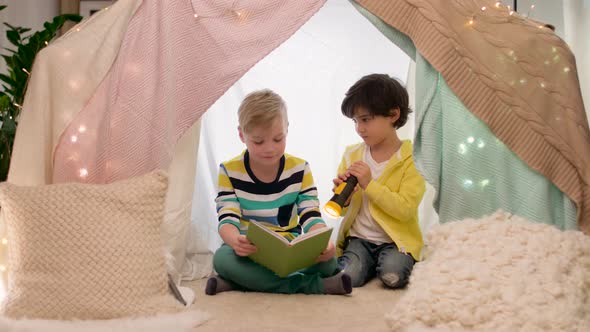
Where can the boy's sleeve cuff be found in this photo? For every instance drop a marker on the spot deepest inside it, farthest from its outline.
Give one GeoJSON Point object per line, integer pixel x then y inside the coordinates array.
{"type": "Point", "coordinates": [312, 222]}
{"type": "Point", "coordinates": [230, 222]}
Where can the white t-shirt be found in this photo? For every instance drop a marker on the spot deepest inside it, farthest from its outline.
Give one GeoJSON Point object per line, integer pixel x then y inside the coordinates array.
{"type": "Point", "coordinates": [365, 227]}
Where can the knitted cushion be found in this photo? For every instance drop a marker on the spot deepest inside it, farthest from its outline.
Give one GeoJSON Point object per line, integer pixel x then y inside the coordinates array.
{"type": "Point", "coordinates": [86, 251]}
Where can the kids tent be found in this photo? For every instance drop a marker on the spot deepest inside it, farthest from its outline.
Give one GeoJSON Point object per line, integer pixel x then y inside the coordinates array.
{"type": "Point", "coordinates": [121, 94]}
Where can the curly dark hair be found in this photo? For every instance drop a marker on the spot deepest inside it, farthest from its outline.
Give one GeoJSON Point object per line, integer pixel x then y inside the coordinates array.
{"type": "Point", "coordinates": [380, 94]}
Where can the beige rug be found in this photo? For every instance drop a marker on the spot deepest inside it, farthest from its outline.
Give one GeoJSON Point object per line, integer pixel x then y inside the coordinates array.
{"type": "Point", "coordinates": [179, 322]}
{"type": "Point", "coordinates": [364, 310]}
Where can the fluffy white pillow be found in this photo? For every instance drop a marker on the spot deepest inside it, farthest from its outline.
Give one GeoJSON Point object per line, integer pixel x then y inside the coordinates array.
{"type": "Point", "coordinates": [499, 273]}
{"type": "Point", "coordinates": [82, 251]}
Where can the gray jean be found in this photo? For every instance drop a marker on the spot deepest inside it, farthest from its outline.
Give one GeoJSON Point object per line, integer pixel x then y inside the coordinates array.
{"type": "Point", "coordinates": [363, 260]}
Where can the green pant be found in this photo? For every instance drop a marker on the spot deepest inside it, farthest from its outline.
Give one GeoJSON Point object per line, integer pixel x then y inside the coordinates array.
{"type": "Point", "coordinates": [246, 275]}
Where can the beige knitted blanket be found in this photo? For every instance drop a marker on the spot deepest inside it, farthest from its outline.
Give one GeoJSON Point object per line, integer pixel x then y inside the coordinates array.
{"type": "Point", "coordinates": [514, 74]}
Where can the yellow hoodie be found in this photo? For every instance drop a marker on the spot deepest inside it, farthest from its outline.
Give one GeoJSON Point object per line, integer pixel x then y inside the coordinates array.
{"type": "Point", "coordinates": [394, 199]}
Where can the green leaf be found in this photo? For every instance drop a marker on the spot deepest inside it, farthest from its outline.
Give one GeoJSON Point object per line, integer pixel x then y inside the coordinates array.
{"type": "Point", "coordinates": [47, 26]}
{"type": "Point", "coordinates": [9, 127]}
{"type": "Point", "coordinates": [5, 153]}
{"type": "Point", "coordinates": [13, 37]}
{"type": "Point", "coordinates": [10, 26]}
{"type": "Point", "coordinates": [4, 101]}
{"type": "Point", "coordinates": [8, 60]}
{"type": "Point", "coordinates": [7, 80]}
{"type": "Point", "coordinates": [9, 50]}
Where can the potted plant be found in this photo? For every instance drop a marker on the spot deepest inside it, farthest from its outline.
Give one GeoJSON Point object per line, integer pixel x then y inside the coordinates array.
{"type": "Point", "coordinates": [19, 62]}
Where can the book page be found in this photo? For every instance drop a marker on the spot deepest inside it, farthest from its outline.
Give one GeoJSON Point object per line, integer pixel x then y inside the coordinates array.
{"type": "Point", "coordinates": [313, 233]}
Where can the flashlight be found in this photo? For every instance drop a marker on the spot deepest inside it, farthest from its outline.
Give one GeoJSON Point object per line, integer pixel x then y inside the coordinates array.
{"type": "Point", "coordinates": [341, 194]}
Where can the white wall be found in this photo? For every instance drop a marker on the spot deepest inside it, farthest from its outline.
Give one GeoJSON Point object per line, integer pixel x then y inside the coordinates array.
{"type": "Point", "coordinates": [548, 11]}
{"type": "Point", "coordinates": [26, 13]}
{"type": "Point", "coordinates": [577, 29]}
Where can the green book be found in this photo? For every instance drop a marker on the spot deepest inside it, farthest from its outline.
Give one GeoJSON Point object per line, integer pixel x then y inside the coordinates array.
{"type": "Point", "coordinates": [284, 257]}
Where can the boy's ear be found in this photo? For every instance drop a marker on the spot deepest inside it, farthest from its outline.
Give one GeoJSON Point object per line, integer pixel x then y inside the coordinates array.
{"type": "Point", "coordinates": [241, 134]}
{"type": "Point", "coordinates": [394, 114]}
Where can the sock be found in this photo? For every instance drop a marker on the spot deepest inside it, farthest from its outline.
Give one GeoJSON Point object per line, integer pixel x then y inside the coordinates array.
{"type": "Point", "coordinates": [216, 285]}
{"type": "Point", "coordinates": [339, 284]}
{"type": "Point", "coordinates": [390, 279]}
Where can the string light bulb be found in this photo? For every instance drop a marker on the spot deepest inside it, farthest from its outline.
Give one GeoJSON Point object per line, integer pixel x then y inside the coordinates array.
{"type": "Point", "coordinates": [462, 148]}
{"type": "Point", "coordinates": [498, 4]}
{"type": "Point", "coordinates": [74, 85]}
{"type": "Point", "coordinates": [528, 14]}
{"type": "Point", "coordinates": [483, 9]}
{"type": "Point", "coordinates": [4, 241]}
{"type": "Point", "coordinates": [240, 14]}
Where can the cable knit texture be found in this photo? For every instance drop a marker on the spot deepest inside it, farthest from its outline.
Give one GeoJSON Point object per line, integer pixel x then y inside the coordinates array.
{"type": "Point", "coordinates": [80, 251]}
{"type": "Point", "coordinates": [498, 273]}
{"type": "Point", "coordinates": [511, 72]}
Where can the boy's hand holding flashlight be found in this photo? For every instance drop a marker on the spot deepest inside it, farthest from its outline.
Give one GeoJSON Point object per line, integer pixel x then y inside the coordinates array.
{"type": "Point", "coordinates": [362, 172]}
{"type": "Point", "coordinates": [341, 179]}
{"type": "Point", "coordinates": [342, 194]}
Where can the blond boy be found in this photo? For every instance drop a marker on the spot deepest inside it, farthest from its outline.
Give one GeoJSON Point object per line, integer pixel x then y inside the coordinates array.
{"type": "Point", "coordinates": [265, 184]}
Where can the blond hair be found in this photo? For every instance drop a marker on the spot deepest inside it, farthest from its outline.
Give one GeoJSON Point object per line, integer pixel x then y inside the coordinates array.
{"type": "Point", "coordinates": [261, 108]}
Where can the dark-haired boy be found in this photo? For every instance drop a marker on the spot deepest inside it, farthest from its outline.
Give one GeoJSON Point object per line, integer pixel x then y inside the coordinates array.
{"type": "Point", "coordinates": [380, 235]}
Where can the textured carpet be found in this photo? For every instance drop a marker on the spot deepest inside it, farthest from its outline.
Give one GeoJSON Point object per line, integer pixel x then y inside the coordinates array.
{"type": "Point", "coordinates": [364, 310]}
{"type": "Point", "coordinates": [186, 321]}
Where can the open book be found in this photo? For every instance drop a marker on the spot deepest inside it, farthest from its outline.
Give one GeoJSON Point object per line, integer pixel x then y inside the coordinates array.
{"type": "Point", "coordinates": [284, 257]}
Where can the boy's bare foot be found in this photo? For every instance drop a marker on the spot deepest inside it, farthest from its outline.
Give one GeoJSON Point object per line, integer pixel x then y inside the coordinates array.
{"type": "Point", "coordinates": [339, 284]}
{"type": "Point", "coordinates": [216, 285]}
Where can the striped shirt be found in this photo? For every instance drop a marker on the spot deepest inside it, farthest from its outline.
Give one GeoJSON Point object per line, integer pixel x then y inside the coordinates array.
{"type": "Point", "coordinates": [288, 204]}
